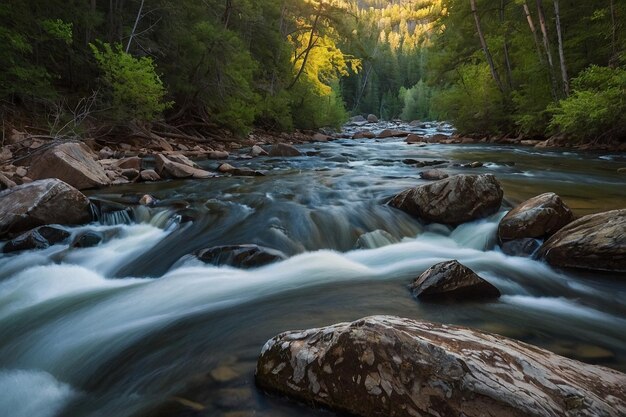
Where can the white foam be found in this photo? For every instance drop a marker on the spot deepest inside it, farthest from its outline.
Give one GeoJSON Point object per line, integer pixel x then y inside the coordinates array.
{"type": "Point", "coordinates": [32, 394]}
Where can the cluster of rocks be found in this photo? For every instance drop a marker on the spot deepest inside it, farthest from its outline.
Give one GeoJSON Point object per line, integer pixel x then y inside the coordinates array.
{"type": "Point", "coordinates": [543, 225]}
{"type": "Point", "coordinates": [80, 166]}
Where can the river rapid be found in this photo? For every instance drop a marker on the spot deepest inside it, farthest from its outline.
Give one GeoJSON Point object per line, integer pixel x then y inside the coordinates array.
{"type": "Point", "coordinates": [136, 327]}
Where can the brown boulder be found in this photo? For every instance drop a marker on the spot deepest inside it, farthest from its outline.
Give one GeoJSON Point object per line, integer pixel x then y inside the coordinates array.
{"type": "Point", "coordinates": [283, 149]}
{"type": "Point", "coordinates": [49, 201]}
{"type": "Point", "coordinates": [452, 281]}
{"type": "Point", "coordinates": [413, 138]}
{"type": "Point", "coordinates": [593, 242]}
{"type": "Point", "coordinates": [453, 200]}
{"type": "Point", "coordinates": [133, 162]}
{"type": "Point", "coordinates": [372, 118]}
{"type": "Point", "coordinates": [364, 135]}
{"type": "Point", "coordinates": [73, 163]}
{"type": "Point", "coordinates": [320, 137]}
{"type": "Point", "coordinates": [171, 169]}
{"type": "Point", "coordinates": [538, 217]}
{"type": "Point", "coordinates": [389, 366]}
{"type": "Point", "coordinates": [392, 133]}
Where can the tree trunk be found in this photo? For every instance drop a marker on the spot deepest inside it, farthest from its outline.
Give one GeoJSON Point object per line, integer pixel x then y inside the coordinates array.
{"type": "Point", "coordinates": [505, 47]}
{"type": "Point", "coordinates": [227, 12]}
{"type": "Point", "coordinates": [546, 46]}
{"type": "Point", "coordinates": [613, 59]}
{"type": "Point", "coordinates": [132, 33]}
{"type": "Point", "coordinates": [483, 42]}
{"type": "Point", "coordinates": [533, 29]}
{"type": "Point", "coordinates": [564, 76]}
{"type": "Point", "coordinates": [310, 46]}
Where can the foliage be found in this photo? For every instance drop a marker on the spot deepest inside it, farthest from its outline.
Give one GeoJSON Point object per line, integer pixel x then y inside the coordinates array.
{"type": "Point", "coordinates": [597, 106]}
{"type": "Point", "coordinates": [475, 104]}
{"type": "Point", "coordinates": [417, 102]}
{"type": "Point", "coordinates": [135, 91]}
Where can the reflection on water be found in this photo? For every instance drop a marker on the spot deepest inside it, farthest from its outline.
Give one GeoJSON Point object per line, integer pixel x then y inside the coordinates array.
{"type": "Point", "coordinates": [134, 328]}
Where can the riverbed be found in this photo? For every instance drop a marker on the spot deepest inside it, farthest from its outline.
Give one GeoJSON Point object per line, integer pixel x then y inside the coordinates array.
{"type": "Point", "coordinates": [137, 327]}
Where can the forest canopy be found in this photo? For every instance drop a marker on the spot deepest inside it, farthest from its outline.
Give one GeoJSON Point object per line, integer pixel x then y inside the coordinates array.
{"type": "Point", "coordinates": [491, 67]}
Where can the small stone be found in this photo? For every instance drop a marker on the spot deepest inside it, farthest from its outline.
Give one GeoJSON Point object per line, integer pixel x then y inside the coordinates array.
{"type": "Point", "coordinates": [147, 200]}
{"type": "Point", "coordinates": [5, 154]}
{"type": "Point", "coordinates": [258, 151]}
{"type": "Point", "coordinates": [149, 175]}
{"type": "Point", "coordinates": [224, 374]}
{"type": "Point", "coordinates": [87, 240]}
{"type": "Point", "coordinates": [5, 182]}
{"type": "Point", "coordinates": [131, 174]}
{"type": "Point", "coordinates": [21, 172]}
{"type": "Point", "coordinates": [433, 175]}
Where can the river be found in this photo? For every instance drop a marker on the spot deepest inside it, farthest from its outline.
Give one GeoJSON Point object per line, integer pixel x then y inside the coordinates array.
{"type": "Point", "coordinates": [135, 327]}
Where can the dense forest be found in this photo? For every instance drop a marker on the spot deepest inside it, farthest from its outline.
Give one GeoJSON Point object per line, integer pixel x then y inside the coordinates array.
{"type": "Point", "coordinates": [508, 67]}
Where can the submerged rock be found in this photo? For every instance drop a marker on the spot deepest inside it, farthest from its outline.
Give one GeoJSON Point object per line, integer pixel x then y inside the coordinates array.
{"type": "Point", "coordinates": [539, 217]}
{"type": "Point", "coordinates": [453, 200]}
{"type": "Point", "coordinates": [375, 239]}
{"type": "Point", "coordinates": [49, 201]}
{"type": "Point", "coordinates": [87, 239]}
{"type": "Point", "coordinates": [389, 366]}
{"type": "Point", "coordinates": [73, 163]}
{"type": "Point", "coordinates": [38, 238]}
{"type": "Point", "coordinates": [452, 281]}
{"type": "Point", "coordinates": [240, 256]}
{"type": "Point", "coordinates": [283, 149]}
{"type": "Point", "coordinates": [520, 247]}
{"type": "Point", "coordinates": [593, 242]}
{"type": "Point", "coordinates": [433, 175]}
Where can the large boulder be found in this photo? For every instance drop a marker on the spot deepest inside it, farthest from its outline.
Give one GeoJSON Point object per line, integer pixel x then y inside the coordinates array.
{"type": "Point", "coordinates": [73, 163]}
{"type": "Point", "coordinates": [452, 280]}
{"type": "Point", "coordinates": [539, 217]}
{"type": "Point", "coordinates": [170, 169]}
{"type": "Point", "coordinates": [389, 366]}
{"type": "Point", "coordinates": [240, 256]}
{"type": "Point", "coordinates": [283, 149]}
{"type": "Point", "coordinates": [49, 201]}
{"type": "Point", "coordinates": [453, 200]}
{"type": "Point", "coordinates": [593, 242]}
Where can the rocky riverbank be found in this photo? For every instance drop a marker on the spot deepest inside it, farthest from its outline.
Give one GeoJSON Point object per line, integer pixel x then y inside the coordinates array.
{"type": "Point", "coordinates": [25, 157]}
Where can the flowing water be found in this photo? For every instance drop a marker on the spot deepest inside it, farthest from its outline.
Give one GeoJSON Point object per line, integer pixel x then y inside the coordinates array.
{"type": "Point", "coordinates": [136, 327]}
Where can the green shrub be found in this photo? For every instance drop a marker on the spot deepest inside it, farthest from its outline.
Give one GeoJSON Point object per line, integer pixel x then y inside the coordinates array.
{"type": "Point", "coordinates": [134, 90]}
{"type": "Point", "coordinates": [596, 107]}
